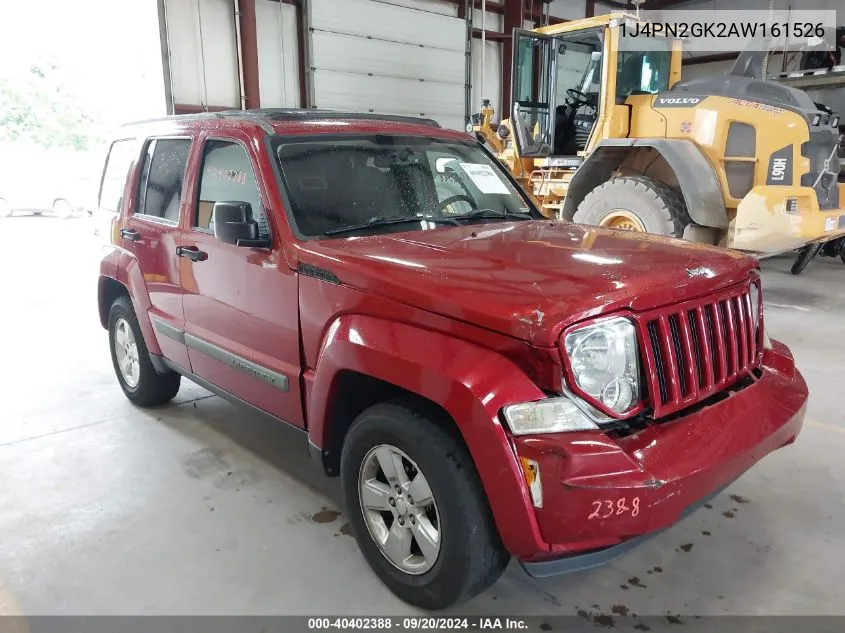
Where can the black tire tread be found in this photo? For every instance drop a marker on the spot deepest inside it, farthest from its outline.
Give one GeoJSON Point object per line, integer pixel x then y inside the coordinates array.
{"type": "Point", "coordinates": [805, 256]}
{"type": "Point", "coordinates": [668, 203]}
{"type": "Point", "coordinates": [485, 557]}
{"type": "Point", "coordinates": [154, 389]}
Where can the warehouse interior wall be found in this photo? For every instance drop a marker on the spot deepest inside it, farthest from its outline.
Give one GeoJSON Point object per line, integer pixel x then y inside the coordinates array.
{"type": "Point", "coordinates": [278, 54]}
{"type": "Point", "coordinates": [391, 56]}
{"type": "Point", "coordinates": [388, 58]}
{"type": "Point", "coordinates": [202, 53]}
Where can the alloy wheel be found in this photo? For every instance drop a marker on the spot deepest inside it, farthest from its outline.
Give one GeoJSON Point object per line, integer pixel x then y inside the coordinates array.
{"type": "Point", "coordinates": [399, 509]}
{"type": "Point", "coordinates": [126, 353]}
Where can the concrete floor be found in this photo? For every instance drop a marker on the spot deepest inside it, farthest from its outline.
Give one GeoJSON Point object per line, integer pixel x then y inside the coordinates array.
{"type": "Point", "coordinates": [203, 508]}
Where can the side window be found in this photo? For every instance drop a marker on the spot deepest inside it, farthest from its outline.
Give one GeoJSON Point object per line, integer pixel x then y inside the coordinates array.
{"type": "Point", "coordinates": [118, 162]}
{"type": "Point", "coordinates": [227, 176]}
{"type": "Point", "coordinates": [163, 177]}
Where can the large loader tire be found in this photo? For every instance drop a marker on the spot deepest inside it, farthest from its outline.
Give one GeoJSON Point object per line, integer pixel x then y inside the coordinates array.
{"type": "Point", "coordinates": [635, 203]}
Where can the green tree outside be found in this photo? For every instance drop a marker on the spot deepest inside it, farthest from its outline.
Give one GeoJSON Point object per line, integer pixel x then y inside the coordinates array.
{"type": "Point", "coordinates": [37, 108]}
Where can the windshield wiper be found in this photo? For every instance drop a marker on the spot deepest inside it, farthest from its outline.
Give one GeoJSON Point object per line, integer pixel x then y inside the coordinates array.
{"type": "Point", "coordinates": [492, 214]}
{"type": "Point", "coordinates": [399, 219]}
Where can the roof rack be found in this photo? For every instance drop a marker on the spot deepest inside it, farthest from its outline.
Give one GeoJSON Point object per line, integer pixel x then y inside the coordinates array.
{"type": "Point", "coordinates": [265, 117]}
{"type": "Point", "coordinates": [292, 114]}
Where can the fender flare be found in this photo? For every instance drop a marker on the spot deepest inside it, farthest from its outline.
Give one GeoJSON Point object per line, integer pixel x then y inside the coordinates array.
{"type": "Point", "coordinates": [128, 273]}
{"type": "Point", "coordinates": [697, 179]}
{"type": "Point", "coordinates": [470, 382]}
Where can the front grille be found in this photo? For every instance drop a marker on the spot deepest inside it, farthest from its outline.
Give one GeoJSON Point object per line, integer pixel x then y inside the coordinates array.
{"type": "Point", "coordinates": [819, 149]}
{"type": "Point", "coordinates": [699, 348]}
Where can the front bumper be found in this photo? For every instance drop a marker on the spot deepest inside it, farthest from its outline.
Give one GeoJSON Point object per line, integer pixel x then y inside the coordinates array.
{"type": "Point", "coordinates": [762, 225]}
{"type": "Point", "coordinates": [602, 495]}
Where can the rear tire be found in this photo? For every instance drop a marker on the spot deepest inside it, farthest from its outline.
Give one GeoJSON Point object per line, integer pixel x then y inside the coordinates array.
{"type": "Point", "coordinates": [141, 383]}
{"type": "Point", "coordinates": [635, 203]}
{"type": "Point", "coordinates": [62, 209]}
{"type": "Point", "coordinates": [470, 556]}
{"type": "Point", "coordinates": [5, 208]}
{"type": "Point", "coordinates": [806, 254]}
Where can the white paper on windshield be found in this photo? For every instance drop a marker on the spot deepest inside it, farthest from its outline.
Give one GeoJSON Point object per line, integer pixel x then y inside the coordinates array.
{"type": "Point", "coordinates": [484, 178]}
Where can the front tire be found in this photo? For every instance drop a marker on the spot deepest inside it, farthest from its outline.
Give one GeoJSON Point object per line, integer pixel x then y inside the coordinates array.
{"type": "Point", "coordinates": [635, 203]}
{"type": "Point", "coordinates": [806, 254]}
{"type": "Point", "coordinates": [141, 383]}
{"type": "Point", "coordinates": [433, 551]}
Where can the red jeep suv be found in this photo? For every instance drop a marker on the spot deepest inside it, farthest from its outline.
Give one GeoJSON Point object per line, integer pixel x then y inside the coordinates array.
{"type": "Point", "coordinates": [487, 383]}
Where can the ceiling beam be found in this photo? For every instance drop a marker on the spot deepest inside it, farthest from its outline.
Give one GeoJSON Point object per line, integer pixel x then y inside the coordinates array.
{"type": "Point", "coordinates": [708, 59]}
{"type": "Point", "coordinates": [490, 36]}
{"type": "Point", "coordinates": [653, 5]}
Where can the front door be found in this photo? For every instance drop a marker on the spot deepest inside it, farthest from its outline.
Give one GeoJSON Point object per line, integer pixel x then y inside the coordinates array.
{"type": "Point", "coordinates": [241, 302]}
{"type": "Point", "coordinates": [152, 234]}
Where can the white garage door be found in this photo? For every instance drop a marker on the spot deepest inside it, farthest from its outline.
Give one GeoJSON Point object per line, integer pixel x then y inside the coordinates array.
{"type": "Point", "coordinates": [373, 56]}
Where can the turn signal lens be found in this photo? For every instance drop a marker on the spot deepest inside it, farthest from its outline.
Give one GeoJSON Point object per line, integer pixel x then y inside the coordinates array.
{"type": "Point", "coordinates": [531, 472]}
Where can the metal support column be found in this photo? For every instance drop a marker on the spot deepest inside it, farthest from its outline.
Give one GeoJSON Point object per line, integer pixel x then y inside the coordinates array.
{"type": "Point", "coordinates": [248, 53]}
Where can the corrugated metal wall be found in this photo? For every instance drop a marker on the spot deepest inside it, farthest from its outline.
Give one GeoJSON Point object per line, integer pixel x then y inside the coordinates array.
{"type": "Point", "coordinates": [203, 54]}
{"type": "Point", "coordinates": [203, 58]}
{"type": "Point", "coordinates": [382, 57]}
{"type": "Point", "coordinates": [391, 56]}
{"type": "Point", "coordinates": [278, 56]}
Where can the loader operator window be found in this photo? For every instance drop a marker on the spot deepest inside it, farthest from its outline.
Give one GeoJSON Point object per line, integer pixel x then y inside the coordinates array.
{"type": "Point", "coordinates": [577, 90]}
{"type": "Point", "coordinates": [532, 98]}
{"type": "Point", "coordinates": [643, 66]}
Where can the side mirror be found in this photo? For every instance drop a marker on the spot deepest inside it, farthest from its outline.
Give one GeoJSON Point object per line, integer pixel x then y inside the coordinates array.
{"type": "Point", "coordinates": [233, 223]}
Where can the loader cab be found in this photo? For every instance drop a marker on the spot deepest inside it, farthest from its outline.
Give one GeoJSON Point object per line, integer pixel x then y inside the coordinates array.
{"type": "Point", "coordinates": [565, 84]}
{"type": "Point", "coordinates": [556, 91]}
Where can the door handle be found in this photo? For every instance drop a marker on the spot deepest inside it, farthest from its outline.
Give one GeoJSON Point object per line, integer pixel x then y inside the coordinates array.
{"type": "Point", "coordinates": [192, 253]}
{"type": "Point", "coordinates": [130, 234]}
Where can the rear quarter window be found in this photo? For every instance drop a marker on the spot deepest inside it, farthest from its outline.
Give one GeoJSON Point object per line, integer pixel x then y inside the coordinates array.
{"type": "Point", "coordinates": [119, 161]}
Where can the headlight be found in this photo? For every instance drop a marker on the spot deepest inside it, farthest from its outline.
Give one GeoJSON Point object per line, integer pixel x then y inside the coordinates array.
{"type": "Point", "coordinates": [554, 415]}
{"type": "Point", "coordinates": [755, 305]}
{"type": "Point", "coordinates": [604, 359]}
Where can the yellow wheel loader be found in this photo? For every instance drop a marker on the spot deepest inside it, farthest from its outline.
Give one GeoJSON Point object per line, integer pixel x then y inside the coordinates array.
{"type": "Point", "coordinates": [603, 131]}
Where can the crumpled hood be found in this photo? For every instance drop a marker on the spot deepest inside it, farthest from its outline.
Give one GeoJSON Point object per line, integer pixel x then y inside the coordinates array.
{"type": "Point", "coordinates": [528, 279]}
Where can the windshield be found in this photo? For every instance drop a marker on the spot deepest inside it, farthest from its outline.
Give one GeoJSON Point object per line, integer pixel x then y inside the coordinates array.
{"type": "Point", "coordinates": [643, 66]}
{"type": "Point", "coordinates": [337, 184]}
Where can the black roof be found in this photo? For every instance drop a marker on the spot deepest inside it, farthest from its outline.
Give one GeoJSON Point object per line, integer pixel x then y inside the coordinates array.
{"type": "Point", "coordinates": [267, 116]}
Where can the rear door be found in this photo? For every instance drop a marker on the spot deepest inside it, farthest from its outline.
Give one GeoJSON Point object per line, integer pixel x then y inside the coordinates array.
{"type": "Point", "coordinates": [152, 234]}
